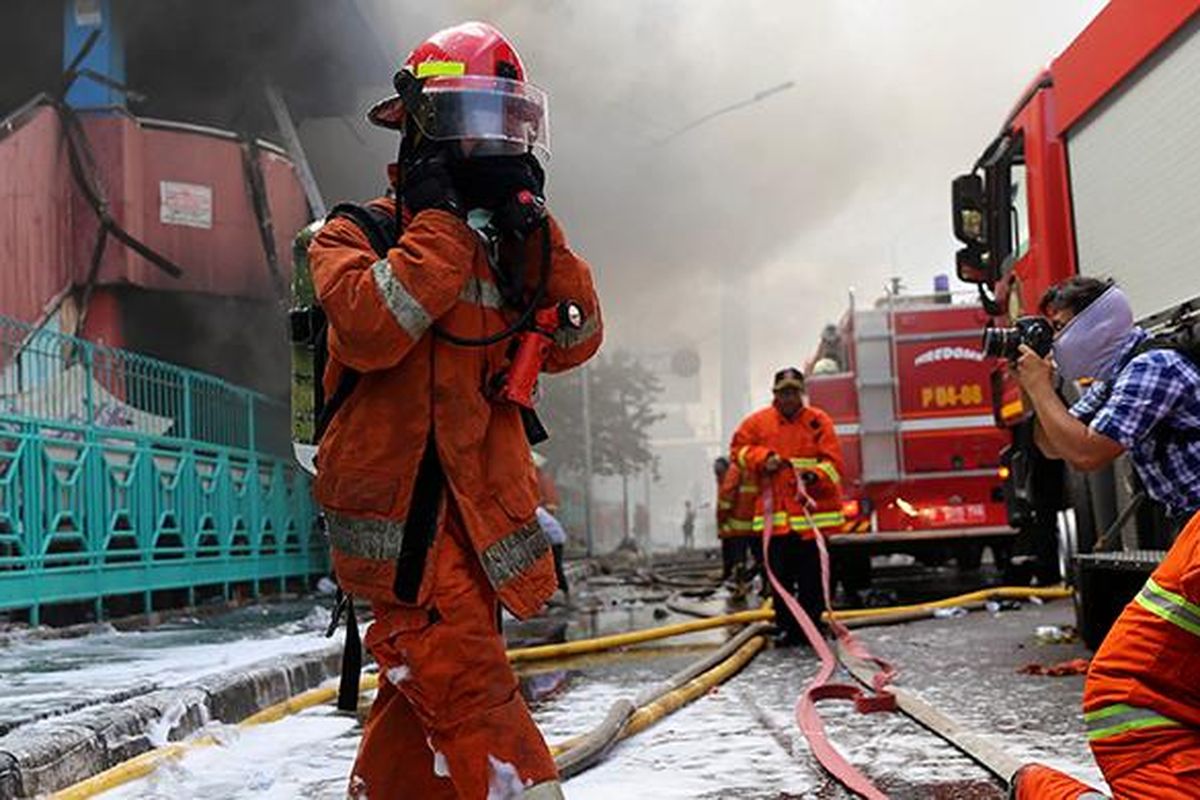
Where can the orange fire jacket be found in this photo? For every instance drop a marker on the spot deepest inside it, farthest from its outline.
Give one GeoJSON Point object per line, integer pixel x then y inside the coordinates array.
{"type": "Point", "coordinates": [809, 442]}
{"type": "Point", "coordinates": [1146, 675]}
{"type": "Point", "coordinates": [415, 387]}
{"type": "Point", "coordinates": [736, 497]}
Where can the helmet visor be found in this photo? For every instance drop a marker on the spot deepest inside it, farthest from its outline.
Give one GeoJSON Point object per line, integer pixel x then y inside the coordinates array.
{"type": "Point", "coordinates": [493, 116]}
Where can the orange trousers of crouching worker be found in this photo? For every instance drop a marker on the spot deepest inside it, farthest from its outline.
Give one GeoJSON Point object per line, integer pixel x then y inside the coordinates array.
{"type": "Point", "coordinates": [448, 720]}
{"type": "Point", "coordinates": [1039, 782]}
{"type": "Point", "coordinates": [1151, 764]}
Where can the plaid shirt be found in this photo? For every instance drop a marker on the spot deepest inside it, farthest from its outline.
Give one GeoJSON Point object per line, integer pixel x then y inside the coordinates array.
{"type": "Point", "coordinates": [1152, 409]}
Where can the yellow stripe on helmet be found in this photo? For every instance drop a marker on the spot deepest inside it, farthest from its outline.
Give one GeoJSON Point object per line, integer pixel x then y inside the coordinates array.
{"type": "Point", "coordinates": [434, 69]}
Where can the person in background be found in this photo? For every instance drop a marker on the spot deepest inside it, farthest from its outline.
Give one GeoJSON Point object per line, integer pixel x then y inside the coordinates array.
{"type": "Point", "coordinates": [789, 446]}
{"type": "Point", "coordinates": [547, 488]}
{"type": "Point", "coordinates": [741, 548]}
{"type": "Point", "coordinates": [689, 525]}
{"type": "Point", "coordinates": [558, 539]}
{"type": "Point", "coordinates": [725, 497]}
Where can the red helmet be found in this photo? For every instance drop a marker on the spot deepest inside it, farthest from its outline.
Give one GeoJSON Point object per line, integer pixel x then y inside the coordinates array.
{"type": "Point", "coordinates": [467, 83]}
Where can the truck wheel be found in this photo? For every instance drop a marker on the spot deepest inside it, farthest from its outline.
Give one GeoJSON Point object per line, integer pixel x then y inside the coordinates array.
{"type": "Point", "coordinates": [969, 556]}
{"type": "Point", "coordinates": [853, 569]}
{"type": "Point", "coordinates": [933, 556]}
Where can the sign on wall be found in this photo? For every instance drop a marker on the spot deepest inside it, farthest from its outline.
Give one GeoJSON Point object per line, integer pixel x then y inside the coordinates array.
{"type": "Point", "coordinates": [189, 204]}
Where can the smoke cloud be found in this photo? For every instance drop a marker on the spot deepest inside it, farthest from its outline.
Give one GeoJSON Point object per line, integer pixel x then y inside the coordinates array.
{"type": "Point", "coordinates": [839, 181]}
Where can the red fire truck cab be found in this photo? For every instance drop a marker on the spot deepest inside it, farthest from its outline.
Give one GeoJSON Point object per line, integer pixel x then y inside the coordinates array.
{"type": "Point", "coordinates": [909, 393]}
{"type": "Point", "coordinates": [1094, 172]}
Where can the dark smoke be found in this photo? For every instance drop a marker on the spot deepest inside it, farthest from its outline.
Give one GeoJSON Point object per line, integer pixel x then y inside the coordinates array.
{"type": "Point", "coordinates": [840, 181]}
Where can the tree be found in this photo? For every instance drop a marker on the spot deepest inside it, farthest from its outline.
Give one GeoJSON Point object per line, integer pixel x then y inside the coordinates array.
{"type": "Point", "coordinates": [623, 391]}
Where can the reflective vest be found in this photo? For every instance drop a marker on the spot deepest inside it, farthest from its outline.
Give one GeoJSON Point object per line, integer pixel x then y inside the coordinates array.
{"type": "Point", "coordinates": [1146, 674]}
{"type": "Point", "coordinates": [810, 445]}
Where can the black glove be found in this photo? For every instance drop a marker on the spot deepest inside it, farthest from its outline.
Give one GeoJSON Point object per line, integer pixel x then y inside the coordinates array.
{"type": "Point", "coordinates": [490, 181]}
{"type": "Point", "coordinates": [427, 183]}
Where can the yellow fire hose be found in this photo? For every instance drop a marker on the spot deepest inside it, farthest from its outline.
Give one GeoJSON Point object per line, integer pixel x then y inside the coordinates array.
{"type": "Point", "coordinates": [146, 763]}
{"type": "Point", "coordinates": [578, 647]}
{"type": "Point", "coordinates": [625, 717]}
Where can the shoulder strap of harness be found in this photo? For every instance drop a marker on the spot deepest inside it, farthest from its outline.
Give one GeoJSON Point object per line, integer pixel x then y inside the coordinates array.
{"type": "Point", "coordinates": [1187, 347]}
{"type": "Point", "coordinates": [378, 225]}
{"type": "Point", "coordinates": [380, 229]}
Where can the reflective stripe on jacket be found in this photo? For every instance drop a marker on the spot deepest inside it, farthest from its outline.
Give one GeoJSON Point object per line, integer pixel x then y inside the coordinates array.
{"type": "Point", "coordinates": [735, 503]}
{"type": "Point", "coordinates": [416, 388]}
{"type": "Point", "coordinates": [809, 443]}
{"type": "Point", "coordinates": [1119, 718]}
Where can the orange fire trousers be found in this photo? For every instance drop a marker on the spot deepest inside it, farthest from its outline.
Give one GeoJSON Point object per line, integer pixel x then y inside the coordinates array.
{"type": "Point", "coordinates": [448, 720]}
{"type": "Point", "coordinates": [1150, 764]}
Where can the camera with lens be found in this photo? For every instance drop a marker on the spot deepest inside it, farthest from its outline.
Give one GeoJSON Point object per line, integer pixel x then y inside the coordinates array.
{"type": "Point", "coordinates": [1037, 332]}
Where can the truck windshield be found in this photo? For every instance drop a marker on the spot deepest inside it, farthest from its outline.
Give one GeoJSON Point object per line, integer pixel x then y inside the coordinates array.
{"type": "Point", "coordinates": [1007, 179]}
{"type": "Point", "coordinates": [1019, 210]}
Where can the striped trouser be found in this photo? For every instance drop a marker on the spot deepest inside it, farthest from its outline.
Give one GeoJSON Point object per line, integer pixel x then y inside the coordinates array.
{"type": "Point", "coordinates": [1145, 755]}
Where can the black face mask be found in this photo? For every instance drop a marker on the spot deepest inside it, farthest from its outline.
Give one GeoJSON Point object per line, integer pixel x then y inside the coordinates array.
{"type": "Point", "coordinates": [489, 181]}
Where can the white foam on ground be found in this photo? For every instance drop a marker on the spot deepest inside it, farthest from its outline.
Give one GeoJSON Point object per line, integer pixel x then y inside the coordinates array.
{"type": "Point", "coordinates": [740, 740]}
{"type": "Point", "coordinates": [309, 755]}
{"type": "Point", "coordinates": [41, 675]}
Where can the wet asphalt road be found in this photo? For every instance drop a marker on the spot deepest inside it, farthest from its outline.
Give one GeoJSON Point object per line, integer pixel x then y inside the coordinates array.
{"type": "Point", "coordinates": [742, 740]}
{"type": "Point", "coordinates": [739, 741]}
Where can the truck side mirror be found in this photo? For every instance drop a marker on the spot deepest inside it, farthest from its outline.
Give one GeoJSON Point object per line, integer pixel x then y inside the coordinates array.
{"type": "Point", "coordinates": [970, 210]}
{"type": "Point", "coordinates": [972, 266]}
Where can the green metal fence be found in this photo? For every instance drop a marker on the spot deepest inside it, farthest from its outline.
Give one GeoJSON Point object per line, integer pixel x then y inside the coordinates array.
{"type": "Point", "coordinates": [125, 475]}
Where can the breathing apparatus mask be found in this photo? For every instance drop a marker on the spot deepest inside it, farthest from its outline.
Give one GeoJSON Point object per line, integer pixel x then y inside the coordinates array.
{"type": "Point", "coordinates": [1088, 346]}
{"type": "Point", "coordinates": [488, 131]}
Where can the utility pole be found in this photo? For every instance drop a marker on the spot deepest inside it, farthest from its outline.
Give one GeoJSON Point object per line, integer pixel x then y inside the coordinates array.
{"type": "Point", "coordinates": [586, 400]}
{"type": "Point", "coordinates": [646, 478]}
{"type": "Point", "coordinates": [624, 505]}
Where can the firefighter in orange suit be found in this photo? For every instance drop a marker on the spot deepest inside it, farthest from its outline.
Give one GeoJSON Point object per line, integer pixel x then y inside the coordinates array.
{"type": "Point", "coordinates": [736, 495]}
{"type": "Point", "coordinates": [726, 494]}
{"type": "Point", "coordinates": [784, 444]}
{"type": "Point", "coordinates": [424, 474]}
{"type": "Point", "coordinates": [1141, 701]}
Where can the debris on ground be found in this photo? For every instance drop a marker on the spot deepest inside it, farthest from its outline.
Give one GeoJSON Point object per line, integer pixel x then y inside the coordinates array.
{"type": "Point", "coordinates": [1075, 666]}
{"type": "Point", "coordinates": [1056, 634]}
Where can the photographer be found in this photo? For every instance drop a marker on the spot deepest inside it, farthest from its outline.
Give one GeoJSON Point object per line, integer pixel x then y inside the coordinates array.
{"type": "Point", "coordinates": [1141, 703]}
{"type": "Point", "coordinates": [425, 475]}
{"type": "Point", "coordinates": [1144, 397]}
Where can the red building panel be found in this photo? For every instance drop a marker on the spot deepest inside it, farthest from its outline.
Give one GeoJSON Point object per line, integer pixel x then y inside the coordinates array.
{"type": "Point", "coordinates": [183, 191]}
{"type": "Point", "coordinates": [35, 265]}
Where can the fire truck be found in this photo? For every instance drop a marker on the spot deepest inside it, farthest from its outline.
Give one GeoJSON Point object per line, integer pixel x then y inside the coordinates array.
{"type": "Point", "coordinates": [908, 390]}
{"type": "Point", "coordinates": [1094, 172]}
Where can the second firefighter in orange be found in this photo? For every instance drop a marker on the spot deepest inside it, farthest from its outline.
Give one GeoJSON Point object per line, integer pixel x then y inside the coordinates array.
{"type": "Point", "coordinates": [784, 444]}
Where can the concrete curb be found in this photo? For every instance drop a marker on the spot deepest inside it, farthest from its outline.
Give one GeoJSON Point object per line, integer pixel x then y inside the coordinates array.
{"type": "Point", "coordinates": [54, 753]}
